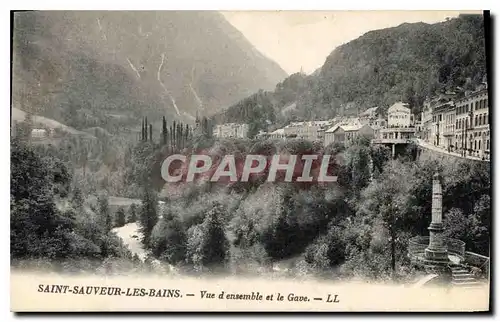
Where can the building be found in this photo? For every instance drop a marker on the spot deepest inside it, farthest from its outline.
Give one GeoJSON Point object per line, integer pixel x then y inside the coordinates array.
{"type": "Point", "coordinates": [369, 116]}
{"type": "Point", "coordinates": [39, 133]}
{"type": "Point", "coordinates": [278, 134]}
{"type": "Point", "coordinates": [442, 133]}
{"type": "Point", "coordinates": [231, 130]}
{"type": "Point", "coordinates": [399, 115]}
{"type": "Point", "coordinates": [472, 124]}
{"type": "Point", "coordinates": [463, 121]}
{"type": "Point", "coordinates": [380, 122]}
{"type": "Point", "coordinates": [426, 121]}
{"type": "Point", "coordinates": [481, 124]}
{"type": "Point", "coordinates": [347, 132]}
{"type": "Point", "coordinates": [449, 116]}
{"type": "Point", "coordinates": [310, 130]}
{"type": "Point", "coordinates": [396, 134]}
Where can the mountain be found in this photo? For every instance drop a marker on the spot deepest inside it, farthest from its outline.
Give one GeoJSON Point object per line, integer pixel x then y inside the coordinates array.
{"type": "Point", "coordinates": [107, 69]}
{"type": "Point", "coordinates": [407, 62]}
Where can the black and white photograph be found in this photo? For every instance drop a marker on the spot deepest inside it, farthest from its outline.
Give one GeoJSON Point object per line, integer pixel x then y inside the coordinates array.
{"type": "Point", "coordinates": [266, 156]}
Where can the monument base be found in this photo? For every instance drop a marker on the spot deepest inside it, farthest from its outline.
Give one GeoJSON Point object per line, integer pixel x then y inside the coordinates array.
{"type": "Point", "coordinates": [437, 255]}
{"type": "Point", "coordinates": [436, 260]}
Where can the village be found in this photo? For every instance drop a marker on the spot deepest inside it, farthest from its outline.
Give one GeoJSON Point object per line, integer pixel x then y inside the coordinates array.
{"type": "Point", "coordinates": [453, 123]}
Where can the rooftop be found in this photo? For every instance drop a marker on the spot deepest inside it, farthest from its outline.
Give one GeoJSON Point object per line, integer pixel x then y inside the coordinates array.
{"type": "Point", "coordinates": [399, 105]}
{"type": "Point", "coordinates": [369, 111]}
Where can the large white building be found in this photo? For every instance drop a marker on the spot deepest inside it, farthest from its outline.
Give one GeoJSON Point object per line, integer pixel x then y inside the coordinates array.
{"type": "Point", "coordinates": [231, 130]}
{"type": "Point", "coordinates": [399, 115]}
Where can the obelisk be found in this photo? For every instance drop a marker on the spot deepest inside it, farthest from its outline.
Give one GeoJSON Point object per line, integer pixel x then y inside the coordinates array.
{"type": "Point", "coordinates": [436, 254]}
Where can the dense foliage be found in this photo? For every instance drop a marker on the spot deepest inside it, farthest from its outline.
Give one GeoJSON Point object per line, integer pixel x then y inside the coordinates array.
{"type": "Point", "coordinates": [358, 226]}
{"type": "Point", "coordinates": [50, 220]}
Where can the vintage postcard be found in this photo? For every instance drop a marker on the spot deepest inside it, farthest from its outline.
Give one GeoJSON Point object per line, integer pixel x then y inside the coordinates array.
{"type": "Point", "coordinates": [305, 161]}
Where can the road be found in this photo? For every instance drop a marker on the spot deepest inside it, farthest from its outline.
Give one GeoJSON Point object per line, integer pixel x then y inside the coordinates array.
{"type": "Point", "coordinates": [429, 146]}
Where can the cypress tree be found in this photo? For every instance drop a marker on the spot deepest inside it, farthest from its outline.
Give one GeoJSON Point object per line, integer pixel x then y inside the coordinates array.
{"type": "Point", "coordinates": [148, 214]}
{"type": "Point", "coordinates": [174, 130]}
{"type": "Point", "coordinates": [171, 137]}
{"type": "Point", "coordinates": [142, 130]}
{"type": "Point", "coordinates": [164, 130]}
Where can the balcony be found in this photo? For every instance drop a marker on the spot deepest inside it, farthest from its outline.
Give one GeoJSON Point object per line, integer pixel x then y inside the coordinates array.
{"type": "Point", "coordinates": [418, 244]}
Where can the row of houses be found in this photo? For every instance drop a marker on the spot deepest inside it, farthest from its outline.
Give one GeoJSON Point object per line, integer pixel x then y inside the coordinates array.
{"type": "Point", "coordinates": [339, 129]}
{"type": "Point", "coordinates": [459, 123]}
{"type": "Point", "coordinates": [369, 124]}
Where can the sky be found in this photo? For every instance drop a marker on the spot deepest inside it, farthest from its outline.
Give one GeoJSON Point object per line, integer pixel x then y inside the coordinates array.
{"type": "Point", "coordinates": [303, 39]}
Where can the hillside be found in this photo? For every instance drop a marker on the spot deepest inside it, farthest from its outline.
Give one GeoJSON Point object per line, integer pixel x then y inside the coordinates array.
{"type": "Point", "coordinates": [18, 115]}
{"type": "Point", "coordinates": [105, 69]}
{"type": "Point", "coordinates": [406, 63]}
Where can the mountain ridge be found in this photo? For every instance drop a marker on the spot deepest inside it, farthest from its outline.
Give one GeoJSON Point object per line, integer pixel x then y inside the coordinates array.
{"type": "Point", "coordinates": [77, 67]}
{"type": "Point", "coordinates": [408, 63]}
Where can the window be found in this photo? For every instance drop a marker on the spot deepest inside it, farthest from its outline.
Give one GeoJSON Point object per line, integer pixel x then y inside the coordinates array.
{"type": "Point", "coordinates": [487, 144]}
{"type": "Point", "coordinates": [475, 120]}
{"type": "Point", "coordinates": [479, 145]}
{"type": "Point", "coordinates": [477, 103]}
{"type": "Point", "coordinates": [475, 145]}
{"type": "Point", "coordinates": [456, 124]}
{"type": "Point", "coordinates": [485, 118]}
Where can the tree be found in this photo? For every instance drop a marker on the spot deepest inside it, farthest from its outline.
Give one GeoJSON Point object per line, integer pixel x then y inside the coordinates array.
{"type": "Point", "coordinates": [208, 246]}
{"type": "Point", "coordinates": [168, 239]}
{"type": "Point", "coordinates": [37, 228]}
{"type": "Point", "coordinates": [380, 154]}
{"type": "Point", "coordinates": [327, 251]}
{"type": "Point", "coordinates": [77, 199]}
{"type": "Point", "coordinates": [472, 228]}
{"type": "Point", "coordinates": [148, 215]}
{"type": "Point", "coordinates": [132, 215]}
{"type": "Point", "coordinates": [164, 130]}
{"type": "Point", "coordinates": [120, 217]}
{"type": "Point", "coordinates": [358, 165]}
{"type": "Point", "coordinates": [387, 199]}
{"type": "Point", "coordinates": [104, 212]}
